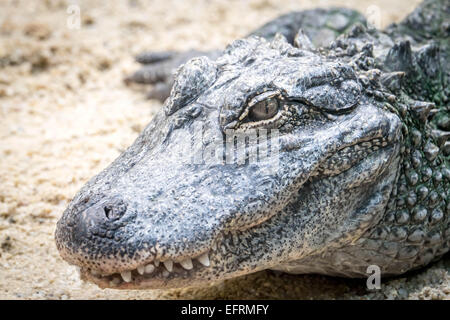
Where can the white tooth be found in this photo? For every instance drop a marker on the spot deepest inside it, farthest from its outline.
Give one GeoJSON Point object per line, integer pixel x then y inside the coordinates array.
{"type": "Point", "coordinates": [204, 259]}
{"type": "Point", "coordinates": [165, 273]}
{"type": "Point", "coordinates": [156, 262]}
{"type": "Point", "coordinates": [149, 268]}
{"type": "Point", "coordinates": [169, 265]}
{"type": "Point", "coordinates": [126, 276]}
{"type": "Point", "coordinates": [187, 264]}
{"type": "Point", "coordinates": [140, 270]}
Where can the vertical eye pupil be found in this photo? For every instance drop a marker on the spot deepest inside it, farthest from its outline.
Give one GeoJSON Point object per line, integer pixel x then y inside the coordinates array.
{"type": "Point", "coordinates": [271, 106]}
{"type": "Point", "coordinates": [268, 106]}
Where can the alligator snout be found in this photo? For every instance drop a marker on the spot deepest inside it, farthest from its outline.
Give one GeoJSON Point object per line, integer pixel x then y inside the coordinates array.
{"type": "Point", "coordinates": [97, 226]}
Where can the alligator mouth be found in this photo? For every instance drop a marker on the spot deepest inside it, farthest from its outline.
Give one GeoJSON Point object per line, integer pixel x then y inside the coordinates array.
{"type": "Point", "coordinates": [151, 274]}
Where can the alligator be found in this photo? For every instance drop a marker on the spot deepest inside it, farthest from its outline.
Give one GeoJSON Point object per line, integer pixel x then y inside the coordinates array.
{"type": "Point", "coordinates": [344, 162]}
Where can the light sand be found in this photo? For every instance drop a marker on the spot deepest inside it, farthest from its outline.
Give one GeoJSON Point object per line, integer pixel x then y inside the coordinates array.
{"type": "Point", "coordinates": [65, 114]}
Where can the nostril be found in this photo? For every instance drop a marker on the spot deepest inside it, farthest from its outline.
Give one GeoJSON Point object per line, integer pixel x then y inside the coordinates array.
{"type": "Point", "coordinates": [115, 211]}
{"type": "Point", "coordinates": [107, 211]}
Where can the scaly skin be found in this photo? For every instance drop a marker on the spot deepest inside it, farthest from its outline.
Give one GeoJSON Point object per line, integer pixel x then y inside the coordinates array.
{"type": "Point", "coordinates": [361, 177]}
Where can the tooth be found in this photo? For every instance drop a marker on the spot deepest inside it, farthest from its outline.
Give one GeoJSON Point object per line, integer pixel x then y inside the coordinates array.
{"type": "Point", "coordinates": [149, 268]}
{"type": "Point", "coordinates": [187, 264]}
{"type": "Point", "coordinates": [156, 262]}
{"type": "Point", "coordinates": [204, 259]}
{"type": "Point", "coordinates": [141, 270]}
{"type": "Point", "coordinates": [169, 265]}
{"type": "Point", "coordinates": [165, 273]}
{"type": "Point", "coordinates": [126, 276]}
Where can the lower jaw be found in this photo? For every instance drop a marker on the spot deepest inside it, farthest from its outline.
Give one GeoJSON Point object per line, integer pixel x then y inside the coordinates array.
{"type": "Point", "coordinates": [161, 278]}
{"type": "Point", "coordinates": [154, 275]}
{"type": "Point", "coordinates": [142, 282]}
{"type": "Point", "coordinates": [172, 281]}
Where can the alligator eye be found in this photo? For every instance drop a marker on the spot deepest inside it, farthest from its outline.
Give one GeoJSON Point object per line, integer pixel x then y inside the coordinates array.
{"type": "Point", "coordinates": [264, 110]}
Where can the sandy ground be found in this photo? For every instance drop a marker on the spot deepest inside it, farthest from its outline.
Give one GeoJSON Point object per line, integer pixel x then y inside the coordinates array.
{"type": "Point", "coordinates": [65, 114]}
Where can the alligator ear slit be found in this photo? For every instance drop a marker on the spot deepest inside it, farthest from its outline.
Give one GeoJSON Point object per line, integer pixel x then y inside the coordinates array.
{"type": "Point", "coordinates": [332, 114]}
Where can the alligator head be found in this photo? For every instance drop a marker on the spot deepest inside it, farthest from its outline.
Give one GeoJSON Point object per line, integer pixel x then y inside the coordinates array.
{"type": "Point", "coordinates": [191, 201]}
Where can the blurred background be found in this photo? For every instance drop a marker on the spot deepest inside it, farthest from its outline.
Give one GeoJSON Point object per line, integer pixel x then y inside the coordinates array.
{"type": "Point", "coordinates": [65, 114]}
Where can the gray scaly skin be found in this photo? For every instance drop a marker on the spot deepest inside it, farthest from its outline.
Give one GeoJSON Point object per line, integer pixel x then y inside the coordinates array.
{"type": "Point", "coordinates": [362, 176]}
